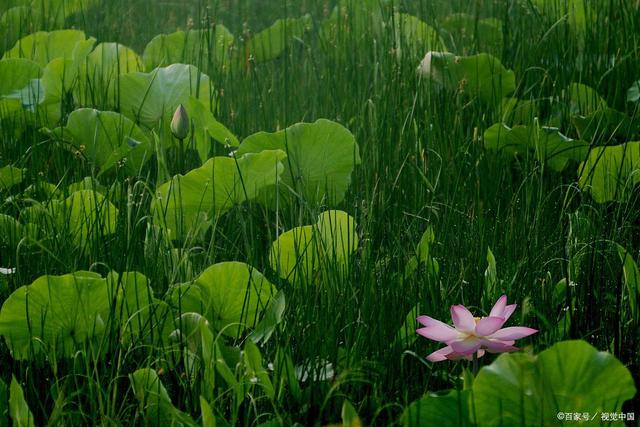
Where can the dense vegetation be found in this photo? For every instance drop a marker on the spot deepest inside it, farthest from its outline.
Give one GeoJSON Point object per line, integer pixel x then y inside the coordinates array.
{"type": "Point", "coordinates": [237, 212]}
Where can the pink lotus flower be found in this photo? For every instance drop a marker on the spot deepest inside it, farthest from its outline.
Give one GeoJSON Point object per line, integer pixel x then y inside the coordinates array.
{"type": "Point", "coordinates": [473, 334]}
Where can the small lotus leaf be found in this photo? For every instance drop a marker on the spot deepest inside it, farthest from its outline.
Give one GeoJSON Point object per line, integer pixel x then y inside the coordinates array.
{"type": "Point", "coordinates": [321, 158]}
{"type": "Point", "coordinates": [104, 138]}
{"type": "Point", "coordinates": [610, 173]}
{"type": "Point", "coordinates": [195, 47]}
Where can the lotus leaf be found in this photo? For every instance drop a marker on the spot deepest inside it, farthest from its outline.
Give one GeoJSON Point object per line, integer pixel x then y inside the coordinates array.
{"type": "Point", "coordinates": [18, 408]}
{"type": "Point", "coordinates": [155, 401]}
{"type": "Point", "coordinates": [10, 230]}
{"type": "Point", "coordinates": [10, 176]}
{"type": "Point", "coordinates": [604, 125]}
{"type": "Point", "coordinates": [107, 138]}
{"type": "Point", "coordinates": [415, 35]}
{"type": "Point", "coordinates": [197, 47]}
{"type": "Point", "coordinates": [15, 74]}
{"type": "Point", "coordinates": [321, 158]}
{"type": "Point", "coordinates": [98, 75]}
{"type": "Point", "coordinates": [571, 376]}
{"type": "Point", "coordinates": [187, 202]}
{"type": "Point", "coordinates": [56, 314]}
{"type": "Point", "coordinates": [465, 33]}
{"type": "Point", "coordinates": [584, 100]}
{"type": "Point", "coordinates": [481, 75]}
{"type": "Point", "coordinates": [549, 144]}
{"type": "Point", "coordinates": [205, 126]}
{"type": "Point", "coordinates": [149, 98]}
{"type": "Point", "coordinates": [610, 173]}
{"type": "Point", "coordinates": [231, 295]}
{"type": "Point", "coordinates": [435, 410]}
{"type": "Point", "coordinates": [270, 43]}
{"type": "Point", "coordinates": [298, 253]}
{"type": "Point", "coordinates": [633, 94]}
{"type": "Point", "coordinates": [86, 216]}
{"type": "Point", "coordinates": [43, 47]}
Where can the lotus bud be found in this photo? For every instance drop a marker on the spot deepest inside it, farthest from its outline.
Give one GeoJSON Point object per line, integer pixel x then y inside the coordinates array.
{"type": "Point", "coordinates": [180, 123]}
{"type": "Point", "coordinates": [425, 65]}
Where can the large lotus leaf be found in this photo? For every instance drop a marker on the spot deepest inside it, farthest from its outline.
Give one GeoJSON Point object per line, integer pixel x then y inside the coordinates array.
{"type": "Point", "coordinates": [55, 313]}
{"type": "Point", "coordinates": [15, 74]}
{"type": "Point", "coordinates": [155, 401]}
{"type": "Point", "coordinates": [270, 43]}
{"type": "Point", "coordinates": [206, 127]}
{"type": "Point", "coordinates": [438, 410]}
{"type": "Point", "coordinates": [18, 407]}
{"type": "Point", "coordinates": [231, 295]}
{"type": "Point", "coordinates": [142, 317]}
{"type": "Point", "coordinates": [10, 176]}
{"type": "Point", "coordinates": [106, 138]}
{"type": "Point", "coordinates": [98, 75]}
{"type": "Point", "coordinates": [195, 47]}
{"type": "Point", "coordinates": [549, 144]}
{"type": "Point", "coordinates": [15, 23]}
{"type": "Point", "coordinates": [415, 35]}
{"type": "Point", "coordinates": [321, 158]}
{"type": "Point", "coordinates": [584, 100]}
{"type": "Point", "coordinates": [87, 216]}
{"type": "Point", "coordinates": [293, 254]}
{"type": "Point", "coordinates": [481, 75]}
{"type": "Point", "coordinates": [571, 376]}
{"type": "Point", "coordinates": [45, 95]}
{"type": "Point", "coordinates": [151, 97]}
{"type": "Point", "coordinates": [604, 125]}
{"type": "Point", "coordinates": [516, 111]}
{"type": "Point", "coordinates": [10, 230]}
{"type": "Point", "coordinates": [466, 33]}
{"type": "Point", "coordinates": [299, 253]}
{"type": "Point", "coordinates": [610, 173]}
{"type": "Point", "coordinates": [187, 202]}
{"type": "Point", "coordinates": [43, 47]}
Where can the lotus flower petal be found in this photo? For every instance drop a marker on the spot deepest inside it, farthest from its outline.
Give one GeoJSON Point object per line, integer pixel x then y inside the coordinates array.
{"type": "Point", "coordinates": [462, 318]}
{"type": "Point", "coordinates": [489, 325]}
{"type": "Point", "coordinates": [513, 333]}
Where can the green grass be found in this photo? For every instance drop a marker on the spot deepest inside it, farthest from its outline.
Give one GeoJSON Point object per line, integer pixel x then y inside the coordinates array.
{"type": "Point", "coordinates": [423, 164]}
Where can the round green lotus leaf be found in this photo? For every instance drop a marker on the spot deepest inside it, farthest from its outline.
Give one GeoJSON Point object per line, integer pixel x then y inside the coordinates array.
{"type": "Point", "coordinates": [465, 33]}
{"type": "Point", "coordinates": [321, 158]}
{"type": "Point", "coordinates": [234, 295]}
{"type": "Point", "coordinates": [584, 100]}
{"type": "Point", "coordinates": [107, 139]}
{"type": "Point", "coordinates": [10, 230]}
{"type": "Point", "coordinates": [548, 144]}
{"type": "Point", "coordinates": [15, 74]}
{"type": "Point", "coordinates": [195, 47]}
{"type": "Point", "coordinates": [10, 176]}
{"type": "Point", "coordinates": [55, 314]}
{"type": "Point", "coordinates": [271, 42]}
{"type": "Point", "coordinates": [184, 205]}
{"type": "Point", "coordinates": [337, 236]}
{"type": "Point", "coordinates": [611, 173]}
{"type": "Point", "coordinates": [149, 98]}
{"type": "Point", "coordinates": [98, 75]}
{"type": "Point", "coordinates": [571, 376]}
{"type": "Point", "coordinates": [43, 47]}
{"type": "Point", "coordinates": [293, 255]}
{"type": "Point", "coordinates": [86, 216]}
{"type": "Point", "coordinates": [415, 35]}
{"type": "Point", "coordinates": [482, 76]}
